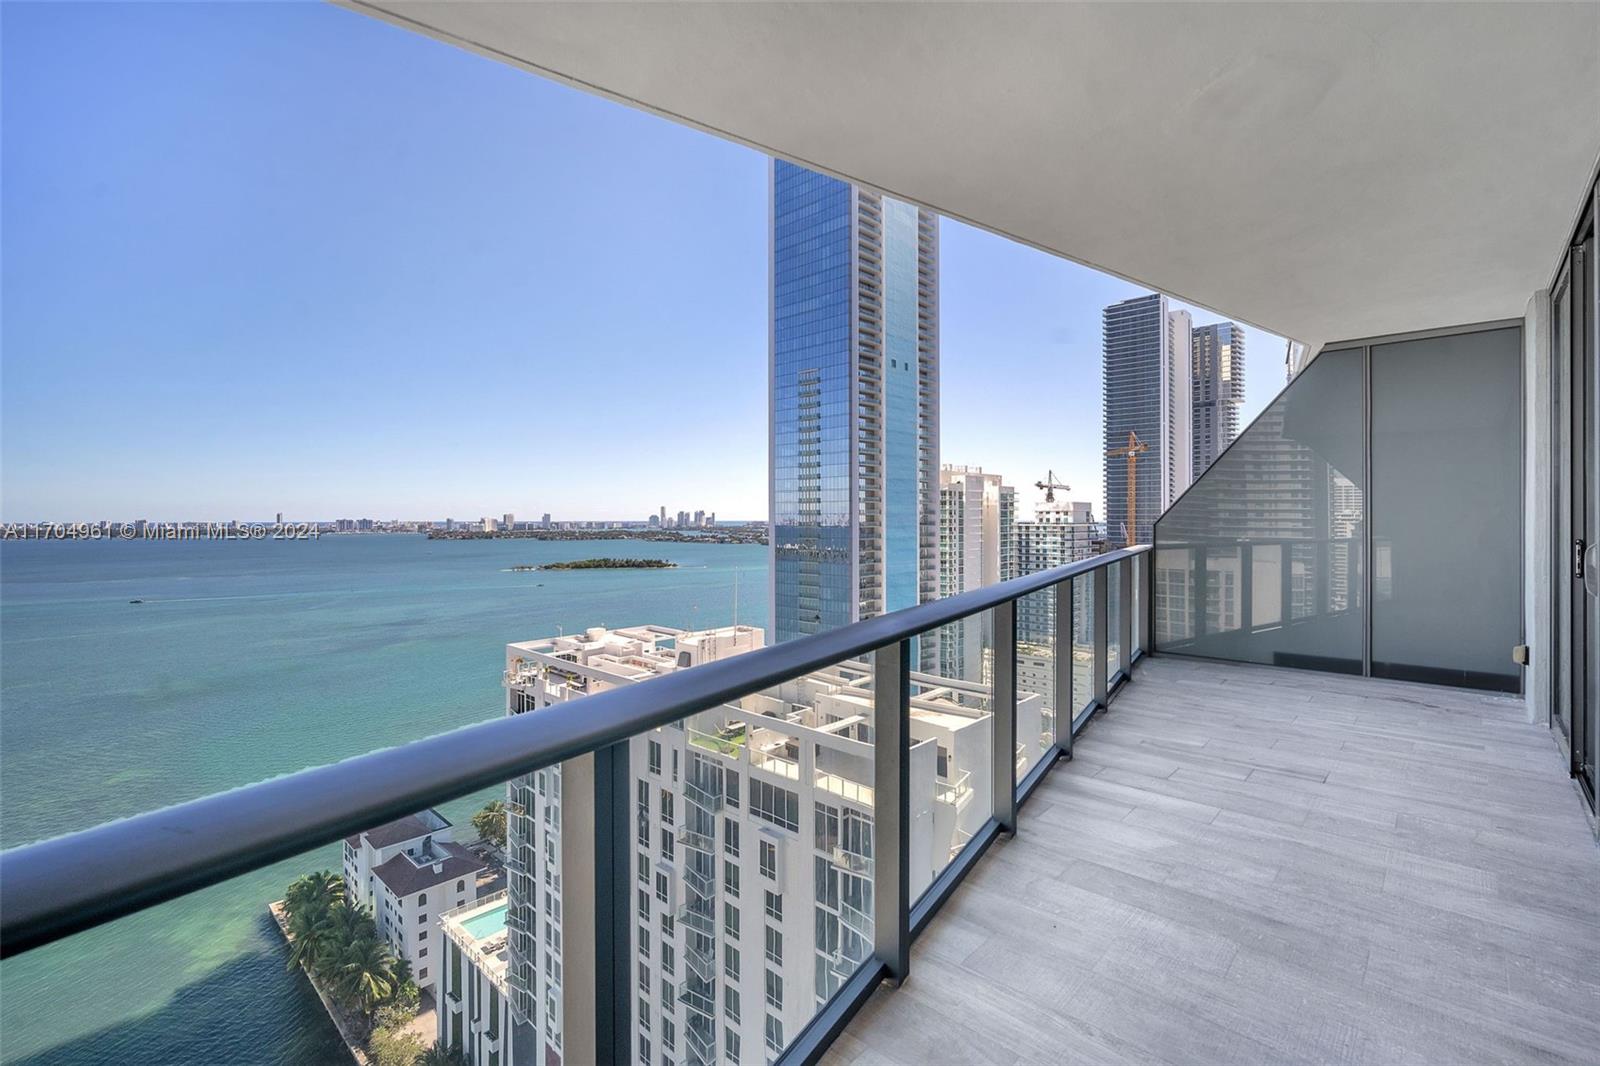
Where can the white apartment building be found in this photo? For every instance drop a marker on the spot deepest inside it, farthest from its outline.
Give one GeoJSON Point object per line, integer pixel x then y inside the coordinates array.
{"type": "Point", "coordinates": [976, 514]}
{"type": "Point", "coordinates": [754, 845]}
{"type": "Point", "coordinates": [407, 872]}
{"type": "Point", "coordinates": [474, 1012]}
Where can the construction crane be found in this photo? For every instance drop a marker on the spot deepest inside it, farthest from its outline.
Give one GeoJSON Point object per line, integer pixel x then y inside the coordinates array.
{"type": "Point", "coordinates": [1133, 450]}
{"type": "Point", "coordinates": [1050, 484]}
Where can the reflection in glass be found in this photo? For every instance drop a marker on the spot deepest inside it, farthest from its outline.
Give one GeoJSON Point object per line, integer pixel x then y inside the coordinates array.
{"type": "Point", "coordinates": [951, 731]}
{"type": "Point", "coordinates": [1113, 578]}
{"type": "Point", "coordinates": [1083, 641]}
{"type": "Point", "coordinates": [1036, 680]}
{"type": "Point", "coordinates": [1261, 560]}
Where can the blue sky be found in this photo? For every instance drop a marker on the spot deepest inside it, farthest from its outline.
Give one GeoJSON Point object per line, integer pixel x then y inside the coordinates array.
{"type": "Point", "coordinates": [265, 258]}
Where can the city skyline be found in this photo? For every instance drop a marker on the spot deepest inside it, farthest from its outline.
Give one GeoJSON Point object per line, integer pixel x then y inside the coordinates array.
{"type": "Point", "coordinates": [273, 339]}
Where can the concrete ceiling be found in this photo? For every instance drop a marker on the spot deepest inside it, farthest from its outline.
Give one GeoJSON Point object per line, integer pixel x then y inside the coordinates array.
{"type": "Point", "coordinates": [1322, 171]}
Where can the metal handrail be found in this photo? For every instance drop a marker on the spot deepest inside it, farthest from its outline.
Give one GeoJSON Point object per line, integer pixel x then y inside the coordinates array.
{"type": "Point", "coordinates": [70, 883]}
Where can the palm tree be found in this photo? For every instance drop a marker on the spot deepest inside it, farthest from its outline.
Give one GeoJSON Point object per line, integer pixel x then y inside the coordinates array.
{"type": "Point", "coordinates": [309, 930]}
{"type": "Point", "coordinates": [441, 1054]}
{"type": "Point", "coordinates": [323, 887]}
{"type": "Point", "coordinates": [364, 974]}
{"type": "Point", "coordinates": [491, 823]}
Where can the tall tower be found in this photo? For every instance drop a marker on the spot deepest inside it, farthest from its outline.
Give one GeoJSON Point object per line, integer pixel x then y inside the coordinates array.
{"type": "Point", "coordinates": [1218, 362]}
{"type": "Point", "coordinates": [853, 369]}
{"type": "Point", "coordinates": [1147, 390]}
{"type": "Point", "coordinates": [977, 519]}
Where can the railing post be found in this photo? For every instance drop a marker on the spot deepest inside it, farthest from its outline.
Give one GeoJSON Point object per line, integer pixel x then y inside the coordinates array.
{"type": "Point", "coordinates": [1005, 716]}
{"type": "Point", "coordinates": [891, 726]}
{"type": "Point", "coordinates": [596, 922]}
{"type": "Point", "coordinates": [1125, 616]}
{"type": "Point", "coordinates": [1102, 579]}
{"type": "Point", "coordinates": [1247, 581]}
{"type": "Point", "coordinates": [1147, 600]}
{"type": "Point", "coordinates": [1066, 699]}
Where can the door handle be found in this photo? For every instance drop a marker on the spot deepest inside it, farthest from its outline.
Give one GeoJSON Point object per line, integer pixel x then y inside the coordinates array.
{"type": "Point", "coordinates": [1591, 578]}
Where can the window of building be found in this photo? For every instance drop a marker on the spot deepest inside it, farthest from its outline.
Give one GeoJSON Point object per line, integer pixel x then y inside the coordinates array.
{"type": "Point", "coordinates": [655, 757]}
{"type": "Point", "coordinates": [774, 991]}
{"type": "Point", "coordinates": [730, 962]}
{"type": "Point", "coordinates": [769, 859]}
{"type": "Point", "coordinates": [731, 1047]}
{"type": "Point", "coordinates": [644, 977]}
{"type": "Point", "coordinates": [774, 946]}
{"type": "Point", "coordinates": [669, 959]}
{"type": "Point", "coordinates": [668, 922]}
{"type": "Point", "coordinates": [644, 1014]}
{"type": "Point", "coordinates": [461, 886]}
{"type": "Point", "coordinates": [666, 807]}
{"type": "Point", "coordinates": [730, 785]}
{"type": "Point", "coordinates": [644, 867]}
{"type": "Point", "coordinates": [422, 935]}
{"type": "Point", "coordinates": [730, 919]}
{"type": "Point", "coordinates": [775, 906]}
{"type": "Point", "coordinates": [644, 942]}
{"type": "Point", "coordinates": [730, 879]}
{"type": "Point", "coordinates": [422, 974]}
{"type": "Point", "coordinates": [730, 837]}
{"type": "Point", "coordinates": [422, 898]}
{"type": "Point", "coordinates": [644, 904]}
{"type": "Point", "coordinates": [661, 886]}
{"type": "Point", "coordinates": [667, 850]}
{"type": "Point", "coordinates": [422, 953]}
{"type": "Point", "coordinates": [777, 805]}
{"type": "Point", "coordinates": [644, 1052]}
{"type": "Point", "coordinates": [774, 1035]}
{"type": "Point", "coordinates": [644, 796]}
{"type": "Point", "coordinates": [730, 1003]}
{"type": "Point", "coordinates": [422, 919]}
{"type": "Point", "coordinates": [669, 1036]}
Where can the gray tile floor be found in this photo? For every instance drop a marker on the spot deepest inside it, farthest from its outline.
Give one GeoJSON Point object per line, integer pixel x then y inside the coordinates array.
{"type": "Point", "coordinates": [1246, 864]}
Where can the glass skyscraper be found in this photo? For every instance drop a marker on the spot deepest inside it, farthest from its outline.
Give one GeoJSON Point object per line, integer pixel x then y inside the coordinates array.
{"type": "Point", "coordinates": [854, 419]}
{"type": "Point", "coordinates": [1218, 362]}
{"type": "Point", "coordinates": [1147, 381]}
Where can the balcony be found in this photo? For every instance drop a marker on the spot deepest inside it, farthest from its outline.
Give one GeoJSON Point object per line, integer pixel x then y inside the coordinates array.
{"type": "Point", "coordinates": [1255, 864]}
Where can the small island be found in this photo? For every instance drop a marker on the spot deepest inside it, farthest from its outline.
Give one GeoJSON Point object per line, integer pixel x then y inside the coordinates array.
{"type": "Point", "coordinates": [604, 564]}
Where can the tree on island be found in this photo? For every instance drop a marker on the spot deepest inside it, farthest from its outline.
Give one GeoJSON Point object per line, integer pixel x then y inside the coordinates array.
{"type": "Point", "coordinates": [491, 823]}
{"type": "Point", "coordinates": [338, 944]}
{"type": "Point", "coordinates": [441, 1054]}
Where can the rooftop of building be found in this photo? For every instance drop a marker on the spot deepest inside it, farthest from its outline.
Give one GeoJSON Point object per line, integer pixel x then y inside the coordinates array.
{"type": "Point", "coordinates": [401, 830]}
{"type": "Point", "coordinates": [419, 869]}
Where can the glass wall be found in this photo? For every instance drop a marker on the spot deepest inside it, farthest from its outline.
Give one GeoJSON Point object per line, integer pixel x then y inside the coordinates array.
{"type": "Point", "coordinates": [1446, 521]}
{"type": "Point", "coordinates": [1265, 558]}
{"type": "Point", "coordinates": [1261, 560]}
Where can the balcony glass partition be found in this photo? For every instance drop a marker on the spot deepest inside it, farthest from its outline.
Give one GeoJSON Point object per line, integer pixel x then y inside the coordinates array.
{"type": "Point", "coordinates": [1083, 642]}
{"type": "Point", "coordinates": [1275, 554]}
{"type": "Point", "coordinates": [1036, 678]}
{"type": "Point", "coordinates": [952, 732]}
{"type": "Point", "coordinates": [1446, 514]}
{"type": "Point", "coordinates": [1262, 559]}
{"type": "Point", "coordinates": [1113, 577]}
{"type": "Point", "coordinates": [717, 888]}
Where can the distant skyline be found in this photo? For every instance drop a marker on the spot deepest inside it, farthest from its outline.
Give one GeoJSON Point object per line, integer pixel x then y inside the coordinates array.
{"type": "Point", "coordinates": [263, 258]}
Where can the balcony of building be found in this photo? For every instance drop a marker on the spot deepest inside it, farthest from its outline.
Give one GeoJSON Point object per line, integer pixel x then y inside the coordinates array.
{"type": "Point", "coordinates": [1254, 864]}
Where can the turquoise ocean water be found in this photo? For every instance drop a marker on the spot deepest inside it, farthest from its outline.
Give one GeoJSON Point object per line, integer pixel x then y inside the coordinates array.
{"type": "Point", "coordinates": [247, 660]}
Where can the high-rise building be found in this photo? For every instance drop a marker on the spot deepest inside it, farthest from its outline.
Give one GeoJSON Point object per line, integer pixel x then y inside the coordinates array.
{"type": "Point", "coordinates": [976, 515]}
{"type": "Point", "coordinates": [754, 848]}
{"type": "Point", "coordinates": [1061, 532]}
{"type": "Point", "coordinates": [1147, 378]}
{"type": "Point", "coordinates": [508, 521]}
{"type": "Point", "coordinates": [1218, 369]}
{"type": "Point", "coordinates": [854, 373]}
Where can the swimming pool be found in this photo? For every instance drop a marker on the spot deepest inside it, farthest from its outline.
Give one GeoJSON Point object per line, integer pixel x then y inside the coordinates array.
{"type": "Point", "coordinates": [482, 926]}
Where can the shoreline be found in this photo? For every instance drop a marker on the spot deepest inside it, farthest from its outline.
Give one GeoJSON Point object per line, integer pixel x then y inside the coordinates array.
{"type": "Point", "coordinates": [335, 1015]}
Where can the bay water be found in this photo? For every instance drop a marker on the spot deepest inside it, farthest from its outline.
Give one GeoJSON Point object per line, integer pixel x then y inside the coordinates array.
{"type": "Point", "coordinates": [245, 660]}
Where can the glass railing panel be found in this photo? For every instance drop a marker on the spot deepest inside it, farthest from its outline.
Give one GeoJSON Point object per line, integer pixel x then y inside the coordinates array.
{"type": "Point", "coordinates": [1036, 676]}
{"type": "Point", "coordinates": [392, 941]}
{"type": "Point", "coordinates": [1083, 642]}
{"type": "Point", "coordinates": [951, 743]}
{"type": "Point", "coordinates": [1112, 575]}
{"type": "Point", "coordinates": [770, 869]}
{"type": "Point", "coordinates": [1261, 560]}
